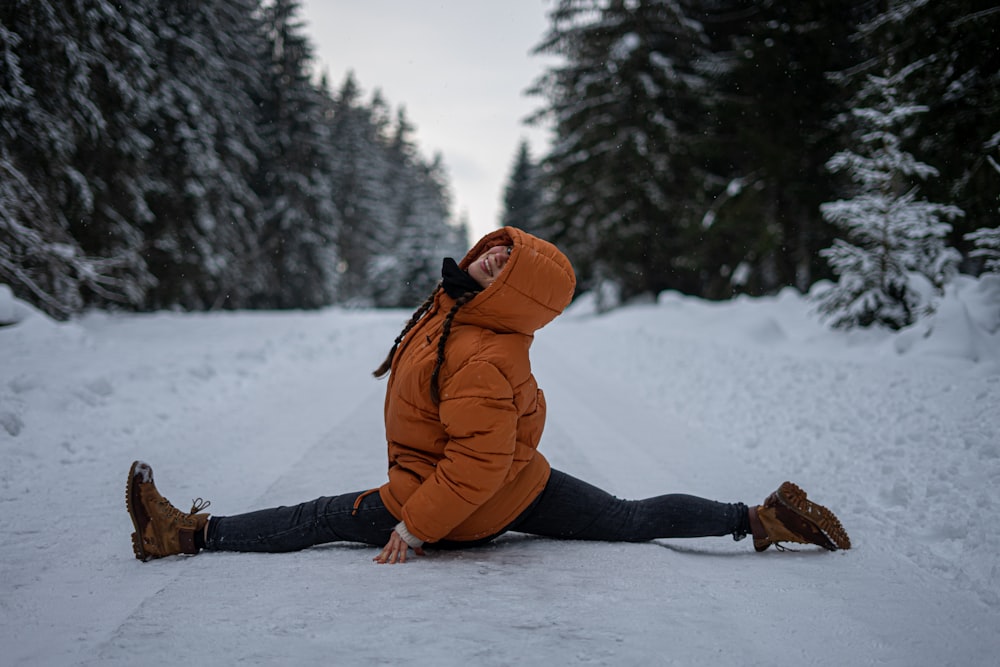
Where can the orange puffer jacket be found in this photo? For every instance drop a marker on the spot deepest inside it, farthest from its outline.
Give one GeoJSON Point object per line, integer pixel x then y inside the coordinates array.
{"type": "Point", "coordinates": [466, 468]}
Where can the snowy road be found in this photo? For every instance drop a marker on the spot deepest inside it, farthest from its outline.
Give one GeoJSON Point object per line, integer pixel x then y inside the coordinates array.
{"type": "Point", "coordinates": [251, 410]}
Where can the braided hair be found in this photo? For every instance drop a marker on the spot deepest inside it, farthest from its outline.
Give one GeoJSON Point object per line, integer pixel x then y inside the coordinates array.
{"type": "Point", "coordinates": [445, 332]}
{"type": "Point", "coordinates": [459, 285]}
{"type": "Point", "coordinates": [417, 314]}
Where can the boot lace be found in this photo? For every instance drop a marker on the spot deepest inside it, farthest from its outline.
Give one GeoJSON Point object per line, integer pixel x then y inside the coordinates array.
{"type": "Point", "coordinates": [199, 505]}
{"type": "Point", "coordinates": [174, 515]}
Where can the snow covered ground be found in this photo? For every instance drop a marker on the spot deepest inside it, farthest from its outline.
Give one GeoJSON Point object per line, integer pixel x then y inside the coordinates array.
{"type": "Point", "coordinates": [898, 433]}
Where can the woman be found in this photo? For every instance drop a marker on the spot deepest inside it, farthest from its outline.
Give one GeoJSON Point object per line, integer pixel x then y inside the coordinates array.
{"type": "Point", "coordinates": [463, 419]}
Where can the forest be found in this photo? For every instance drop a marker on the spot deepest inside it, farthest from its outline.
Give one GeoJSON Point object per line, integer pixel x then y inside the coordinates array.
{"type": "Point", "coordinates": [166, 154]}
{"type": "Point", "coordinates": [720, 147]}
{"type": "Point", "coordinates": [162, 154]}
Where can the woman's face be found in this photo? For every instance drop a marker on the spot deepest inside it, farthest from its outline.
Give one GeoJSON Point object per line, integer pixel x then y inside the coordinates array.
{"type": "Point", "coordinates": [488, 266]}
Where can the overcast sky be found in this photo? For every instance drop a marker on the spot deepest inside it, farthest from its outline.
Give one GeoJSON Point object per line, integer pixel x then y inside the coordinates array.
{"type": "Point", "coordinates": [459, 67]}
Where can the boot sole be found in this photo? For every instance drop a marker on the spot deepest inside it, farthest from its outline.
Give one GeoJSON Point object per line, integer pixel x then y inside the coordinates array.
{"type": "Point", "coordinates": [137, 548]}
{"type": "Point", "coordinates": [794, 498]}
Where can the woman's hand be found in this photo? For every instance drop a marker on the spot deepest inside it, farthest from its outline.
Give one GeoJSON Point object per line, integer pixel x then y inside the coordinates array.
{"type": "Point", "coordinates": [395, 551]}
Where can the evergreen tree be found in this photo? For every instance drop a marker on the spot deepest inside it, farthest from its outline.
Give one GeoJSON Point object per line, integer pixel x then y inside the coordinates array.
{"type": "Point", "coordinates": [890, 234]}
{"type": "Point", "coordinates": [38, 257]}
{"type": "Point", "coordinates": [360, 168]}
{"type": "Point", "coordinates": [627, 107]}
{"type": "Point", "coordinates": [294, 183]}
{"type": "Point", "coordinates": [772, 101]}
{"type": "Point", "coordinates": [987, 246]}
{"type": "Point", "coordinates": [73, 78]}
{"type": "Point", "coordinates": [203, 247]}
{"type": "Point", "coordinates": [522, 195]}
{"type": "Point", "coordinates": [407, 264]}
{"type": "Point", "coordinates": [986, 240]}
{"type": "Point", "coordinates": [959, 81]}
{"type": "Point", "coordinates": [113, 153]}
{"type": "Point", "coordinates": [394, 207]}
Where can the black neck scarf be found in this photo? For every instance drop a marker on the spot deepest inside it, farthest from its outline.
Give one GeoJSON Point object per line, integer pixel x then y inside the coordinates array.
{"type": "Point", "coordinates": [455, 281]}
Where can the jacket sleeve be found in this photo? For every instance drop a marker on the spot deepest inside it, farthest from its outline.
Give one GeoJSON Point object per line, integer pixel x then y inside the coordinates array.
{"type": "Point", "coordinates": [477, 412]}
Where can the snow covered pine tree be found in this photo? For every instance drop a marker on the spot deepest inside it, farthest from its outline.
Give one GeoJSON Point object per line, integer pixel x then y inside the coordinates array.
{"type": "Point", "coordinates": [988, 240]}
{"type": "Point", "coordinates": [894, 260]}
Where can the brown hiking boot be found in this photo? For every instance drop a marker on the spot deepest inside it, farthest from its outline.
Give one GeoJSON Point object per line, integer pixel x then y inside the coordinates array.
{"type": "Point", "coordinates": [160, 528]}
{"type": "Point", "coordinates": [787, 516]}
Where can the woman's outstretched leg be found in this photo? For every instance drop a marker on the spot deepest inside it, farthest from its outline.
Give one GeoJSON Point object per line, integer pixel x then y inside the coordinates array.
{"type": "Point", "coordinates": [569, 508]}
{"type": "Point", "coordinates": [350, 517]}
{"type": "Point", "coordinates": [163, 530]}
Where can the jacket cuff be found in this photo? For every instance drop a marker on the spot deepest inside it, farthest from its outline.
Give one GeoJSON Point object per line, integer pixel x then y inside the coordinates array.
{"type": "Point", "coordinates": [411, 540]}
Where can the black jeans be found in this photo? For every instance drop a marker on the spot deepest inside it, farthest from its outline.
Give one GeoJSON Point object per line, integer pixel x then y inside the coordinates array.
{"type": "Point", "coordinates": [567, 508]}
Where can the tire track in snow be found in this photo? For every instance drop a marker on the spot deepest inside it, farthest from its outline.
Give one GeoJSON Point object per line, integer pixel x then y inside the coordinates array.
{"type": "Point", "coordinates": [334, 463]}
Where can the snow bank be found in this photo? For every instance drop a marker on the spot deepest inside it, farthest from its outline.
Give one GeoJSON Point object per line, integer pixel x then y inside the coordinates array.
{"type": "Point", "coordinates": [14, 310]}
{"type": "Point", "coordinates": [966, 324]}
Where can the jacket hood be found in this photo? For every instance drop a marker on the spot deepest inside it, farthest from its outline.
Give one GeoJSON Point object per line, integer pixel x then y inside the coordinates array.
{"type": "Point", "coordinates": [534, 287]}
